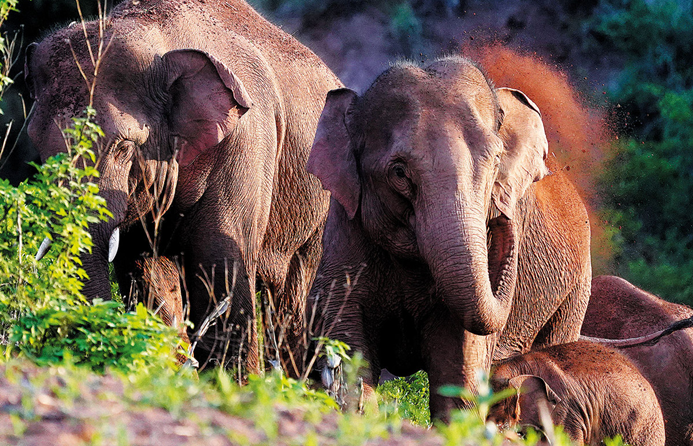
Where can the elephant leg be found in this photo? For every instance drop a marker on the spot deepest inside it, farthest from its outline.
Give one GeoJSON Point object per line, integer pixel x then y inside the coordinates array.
{"type": "Point", "coordinates": [220, 288]}
{"type": "Point", "coordinates": [290, 305]}
{"type": "Point", "coordinates": [564, 325]}
{"type": "Point", "coordinates": [330, 318]}
{"type": "Point", "coordinates": [453, 356]}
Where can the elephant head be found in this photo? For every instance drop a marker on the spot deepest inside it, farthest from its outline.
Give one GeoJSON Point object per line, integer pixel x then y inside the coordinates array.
{"type": "Point", "coordinates": [532, 405]}
{"type": "Point", "coordinates": [160, 109]}
{"type": "Point", "coordinates": [433, 162]}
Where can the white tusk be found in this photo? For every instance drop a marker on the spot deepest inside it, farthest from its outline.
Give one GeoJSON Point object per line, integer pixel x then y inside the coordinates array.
{"type": "Point", "coordinates": [113, 244]}
{"type": "Point", "coordinates": [43, 249]}
{"type": "Point", "coordinates": [327, 377]}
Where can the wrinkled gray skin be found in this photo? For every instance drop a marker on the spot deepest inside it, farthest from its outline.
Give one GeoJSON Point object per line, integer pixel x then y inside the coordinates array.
{"type": "Point", "coordinates": [213, 104]}
{"type": "Point", "coordinates": [454, 256]}
{"type": "Point", "coordinates": [593, 391]}
{"type": "Point", "coordinates": [619, 310]}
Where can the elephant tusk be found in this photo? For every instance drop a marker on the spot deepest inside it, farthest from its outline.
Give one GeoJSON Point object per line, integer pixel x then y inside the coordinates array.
{"type": "Point", "coordinates": [113, 243]}
{"type": "Point", "coordinates": [327, 377]}
{"type": "Point", "coordinates": [43, 249]}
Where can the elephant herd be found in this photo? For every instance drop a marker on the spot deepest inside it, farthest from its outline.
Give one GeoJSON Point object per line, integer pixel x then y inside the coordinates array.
{"type": "Point", "coordinates": [447, 237]}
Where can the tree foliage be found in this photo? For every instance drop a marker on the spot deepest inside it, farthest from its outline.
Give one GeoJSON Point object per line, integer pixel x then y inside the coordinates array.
{"type": "Point", "coordinates": [649, 183]}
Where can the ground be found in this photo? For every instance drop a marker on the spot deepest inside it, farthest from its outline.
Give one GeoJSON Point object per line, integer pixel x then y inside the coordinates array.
{"type": "Point", "coordinates": [54, 408]}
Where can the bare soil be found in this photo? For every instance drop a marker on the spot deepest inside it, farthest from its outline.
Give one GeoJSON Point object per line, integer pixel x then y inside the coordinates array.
{"type": "Point", "coordinates": [100, 411]}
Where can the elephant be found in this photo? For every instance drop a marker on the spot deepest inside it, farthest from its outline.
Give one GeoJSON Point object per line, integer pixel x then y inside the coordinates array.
{"type": "Point", "coordinates": [209, 113]}
{"type": "Point", "coordinates": [593, 391]}
{"type": "Point", "coordinates": [453, 237]}
{"type": "Point", "coordinates": [618, 310]}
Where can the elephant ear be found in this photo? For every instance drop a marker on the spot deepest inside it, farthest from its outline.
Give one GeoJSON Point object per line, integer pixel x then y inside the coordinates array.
{"type": "Point", "coordinates": [29, 77]}
{"type": "Point", "coordinates": [332, 157]}
{"type": "Point", "coordinates": [206, 99]}
{"type": "Point", "coordinates": [526, 148]}
{"type": "Point", "coordinates": [536, 400]}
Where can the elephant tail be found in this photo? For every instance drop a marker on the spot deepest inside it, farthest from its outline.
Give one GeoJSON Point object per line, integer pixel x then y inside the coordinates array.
{"type": "Point", "coordinates": [647, 340]}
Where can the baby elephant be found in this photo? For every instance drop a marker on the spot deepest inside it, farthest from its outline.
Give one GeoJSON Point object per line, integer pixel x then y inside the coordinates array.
{"type": "Point", "coordinates": [593, 391]}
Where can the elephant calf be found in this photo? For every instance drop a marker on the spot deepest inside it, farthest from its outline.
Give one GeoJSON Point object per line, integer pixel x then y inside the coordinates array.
{"type": "Point", "coordinates": [593, 391]}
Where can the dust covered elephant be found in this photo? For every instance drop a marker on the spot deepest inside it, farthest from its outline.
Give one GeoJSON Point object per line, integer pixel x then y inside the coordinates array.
{"type": "Point", "coordinates": [593, 391]}
{"type": "Point", "coordinates": [453, 237]}
{"type": "Point", "coordinates": [620, 310]}
{"type": "Point", "coordinates": [209, 113]}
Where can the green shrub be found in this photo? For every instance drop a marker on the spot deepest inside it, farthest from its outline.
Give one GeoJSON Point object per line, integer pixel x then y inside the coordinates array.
{"type": "Point", "coordinates": [407, 398]}
{"type": "Point", "coordinates": [99, 335]}
{"type": "Point", "coordinates": [59, 204]}
{"type": "Point", "coordinates": [43, 314]}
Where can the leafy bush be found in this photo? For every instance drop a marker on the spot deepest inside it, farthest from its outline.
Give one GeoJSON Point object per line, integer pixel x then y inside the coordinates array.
{"type": "Point", "coordinates": [59, 204]}
{"type": "Point", "coordinates": [407, 398]}
{"type": "Point", "coordinates": [42, 312]}
{"type": "Point", "coordinates": [647, 186]}
{"type": "Point", "coordinates": [98, 336]}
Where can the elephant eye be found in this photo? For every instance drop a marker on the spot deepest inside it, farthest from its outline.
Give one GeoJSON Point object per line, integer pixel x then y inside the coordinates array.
{"type": "Point", "coordinates": [399, 179]}
{"type": "Point", "coordinates": [124, 149]}
{"type": "Point", "coordinates": [399, 171]}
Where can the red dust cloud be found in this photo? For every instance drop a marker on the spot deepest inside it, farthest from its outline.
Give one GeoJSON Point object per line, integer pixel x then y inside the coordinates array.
{"type": "Point", "coordinates": [578, 134]}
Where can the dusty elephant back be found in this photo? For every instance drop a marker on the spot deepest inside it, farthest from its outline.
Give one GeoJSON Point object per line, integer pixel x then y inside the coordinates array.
{"type": "Point", "coordinates": [619, 310]}
{"type": "Point", "coordinates": [237, 35]}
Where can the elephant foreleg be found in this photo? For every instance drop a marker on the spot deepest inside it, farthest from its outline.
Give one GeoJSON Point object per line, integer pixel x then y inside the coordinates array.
{"type": "Point", "coordinates": [220, 285]}
{"type": "Point", "coordinates": [453, 356]}
{"type": "Point", "coordinates": [286, 314]}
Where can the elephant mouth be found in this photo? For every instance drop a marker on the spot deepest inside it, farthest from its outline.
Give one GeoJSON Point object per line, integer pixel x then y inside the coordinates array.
{"type": "Point", "coordinates": [500, 241]}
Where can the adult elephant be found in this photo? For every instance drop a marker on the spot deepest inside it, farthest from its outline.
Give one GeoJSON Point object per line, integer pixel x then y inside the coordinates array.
{"type": "Point", "coordinates": [443, 250]}
{"type": "Point", "coordinates": [620, 310]}
{"type": "Point", "coordinates": [209, 113]}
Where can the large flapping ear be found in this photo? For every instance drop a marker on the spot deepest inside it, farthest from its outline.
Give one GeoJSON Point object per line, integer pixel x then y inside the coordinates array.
{"type": "Point", "coordinates": [332, 158]}
{"type": "Point", "coordinates": [534, 395]}
{"type": "Point", "coordinates": [206, 101]}
{"type": "Point", "coordinates": [526, 148]}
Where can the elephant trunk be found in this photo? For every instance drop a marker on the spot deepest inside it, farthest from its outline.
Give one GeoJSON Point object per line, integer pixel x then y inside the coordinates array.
{"type": "Point", "coordinates": [114, 167]}
{"type": "Point", "coordinates": [153, 192]}
{"type": "Point", "coordinates": [473, 261]}
{"type": "Point", "coordinates": [95, 263]}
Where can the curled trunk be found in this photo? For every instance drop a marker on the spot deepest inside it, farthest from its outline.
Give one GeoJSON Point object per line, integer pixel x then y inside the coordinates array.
{"type": "Point", "coordinates": [474, 266]}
